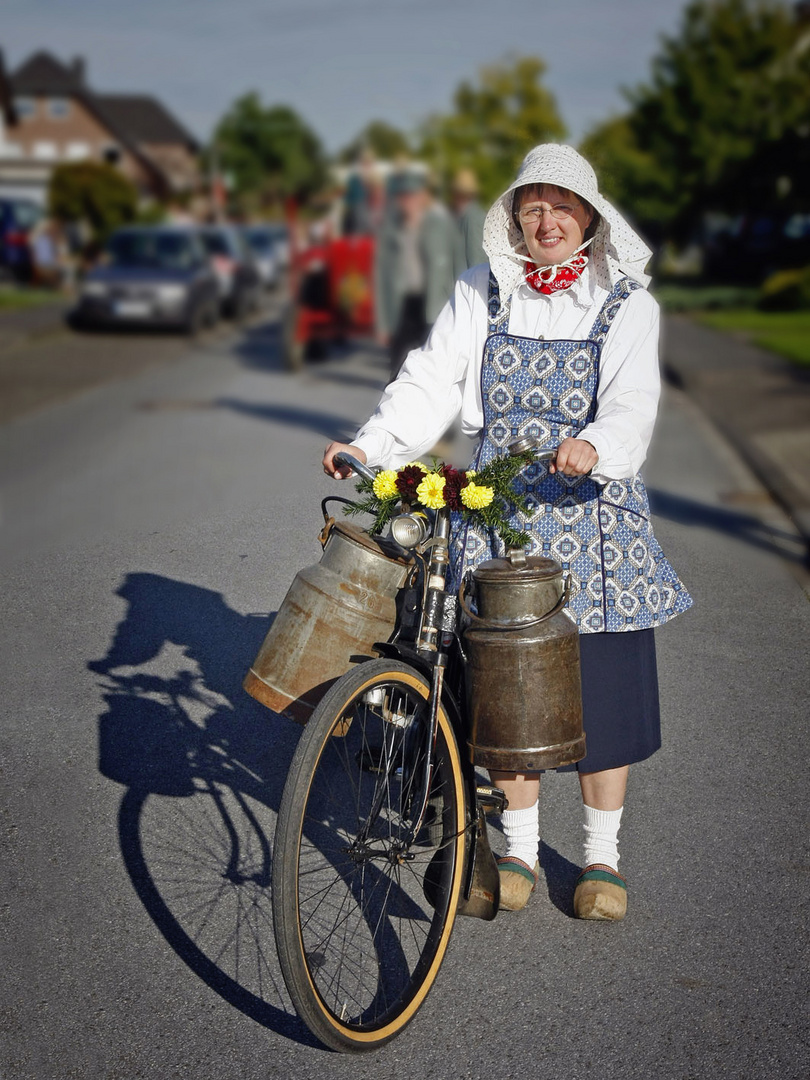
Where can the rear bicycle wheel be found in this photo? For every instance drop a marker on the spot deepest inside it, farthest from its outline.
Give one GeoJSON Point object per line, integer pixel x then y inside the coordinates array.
{"type": "Point", "coordinates": [362, 919]}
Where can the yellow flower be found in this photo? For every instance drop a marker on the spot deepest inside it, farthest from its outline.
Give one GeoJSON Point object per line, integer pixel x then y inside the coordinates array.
{"type": "Point", "coordinates": [431, 491]}
{"type": "Point", "coordinates": [415, 464]}
{"type": "Point", "coordinates": [385, 484]}
{"type": "Point", "coordinates": [476, 496]}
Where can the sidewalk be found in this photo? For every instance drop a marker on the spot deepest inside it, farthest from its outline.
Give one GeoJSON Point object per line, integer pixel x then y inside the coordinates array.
{"type": "Point", "coordinates": [18, 325]}
{"type": "Point", "coordinates": [760, 402]}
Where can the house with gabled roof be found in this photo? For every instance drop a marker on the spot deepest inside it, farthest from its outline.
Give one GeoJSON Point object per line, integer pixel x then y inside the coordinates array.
{"type": "Point", "coordinates": [60, 118]}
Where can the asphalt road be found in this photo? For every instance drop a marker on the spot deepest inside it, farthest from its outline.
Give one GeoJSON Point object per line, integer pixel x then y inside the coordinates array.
{"type": "Point", "coordinates": [148, 527]}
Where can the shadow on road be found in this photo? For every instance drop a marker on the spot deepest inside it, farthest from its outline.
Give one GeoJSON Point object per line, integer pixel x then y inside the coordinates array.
{"type": "Point", "coordinates": [259, 347]}
{"type": "Point", "coordinates": [339, 428]}
{"type": "Point", "coordinates": [741, 526]}
{"type": "Point", "coordinates": [561, 878]}
{"type": "Point", "coordinates": [204, 766]}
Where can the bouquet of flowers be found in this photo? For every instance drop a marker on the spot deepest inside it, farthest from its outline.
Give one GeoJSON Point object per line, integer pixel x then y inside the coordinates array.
{"type": "Point", "coordinates": [484, 495]}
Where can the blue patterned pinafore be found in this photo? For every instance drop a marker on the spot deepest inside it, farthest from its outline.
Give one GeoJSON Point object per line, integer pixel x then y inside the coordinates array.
{"type": "Point", "coordinates": [600, 533]}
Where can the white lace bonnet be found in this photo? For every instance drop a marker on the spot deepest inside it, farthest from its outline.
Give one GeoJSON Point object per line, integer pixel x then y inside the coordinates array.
{"type": "Point", "coordinates": [616, 250]}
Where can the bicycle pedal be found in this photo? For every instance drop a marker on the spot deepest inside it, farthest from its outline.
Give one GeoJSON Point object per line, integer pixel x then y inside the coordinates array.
{"type": "Point", "coordinates": [491, 799]}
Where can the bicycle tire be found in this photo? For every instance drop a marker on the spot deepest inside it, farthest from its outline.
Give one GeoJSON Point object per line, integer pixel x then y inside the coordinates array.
{"type": "Point", "coordinates": [361, 932]}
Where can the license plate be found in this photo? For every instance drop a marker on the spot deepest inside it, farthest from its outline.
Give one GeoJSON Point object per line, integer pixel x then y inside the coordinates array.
{"type": "Point", "coordinates": [133, 309]}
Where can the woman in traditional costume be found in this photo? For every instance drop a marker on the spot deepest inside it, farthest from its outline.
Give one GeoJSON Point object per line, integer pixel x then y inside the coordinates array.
{"type": "Point", "coordinates": [556, 337]}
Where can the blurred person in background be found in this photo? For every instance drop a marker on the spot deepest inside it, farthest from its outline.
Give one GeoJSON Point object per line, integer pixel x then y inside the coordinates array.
{"type": "Point", "coordinates": [50, 256]}
{"type": "Point", "coordinates": [362, 197]}
{"type": "Point", "coordinates": [469, 214]}
{"type": "Point", "coordinates": [414, 265]}
{"type": "Point", "coordinates": [556, 337]}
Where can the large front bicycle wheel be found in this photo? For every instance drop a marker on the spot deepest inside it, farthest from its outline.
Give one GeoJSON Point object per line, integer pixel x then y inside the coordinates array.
{"type": "Point", "coordinates": [362, 909]}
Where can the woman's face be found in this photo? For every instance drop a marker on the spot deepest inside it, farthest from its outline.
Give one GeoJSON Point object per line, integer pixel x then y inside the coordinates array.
{"type": "Point", "coordinates": [552, 240]}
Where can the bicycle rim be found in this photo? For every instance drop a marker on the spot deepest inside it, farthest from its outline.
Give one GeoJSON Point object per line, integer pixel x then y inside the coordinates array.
{"type": "Point", "coordinates": [362, 924]}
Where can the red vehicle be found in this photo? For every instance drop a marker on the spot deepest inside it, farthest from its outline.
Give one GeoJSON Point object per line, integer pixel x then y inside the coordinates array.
{"type": "Point", "coordinates": [332, 296]}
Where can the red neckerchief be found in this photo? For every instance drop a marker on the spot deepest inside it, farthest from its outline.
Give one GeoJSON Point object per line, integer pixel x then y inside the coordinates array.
{"type": "Point", "coordinates": [551, 279]}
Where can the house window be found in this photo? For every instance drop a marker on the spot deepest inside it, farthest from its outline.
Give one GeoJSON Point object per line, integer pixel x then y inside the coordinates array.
{"type": "Point", "coordinates": [25, 107]}
{"type": "Point", "coordinates": [45, 150]}
{"type": "Point", "coordinates": [111, 154]}
{"type": "Point", "coordinates": [77, 151]}
{"type": "Point", "coordinates": [58, 108]}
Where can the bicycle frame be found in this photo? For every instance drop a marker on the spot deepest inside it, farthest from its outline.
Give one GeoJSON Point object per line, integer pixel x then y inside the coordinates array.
{"type": "Point", "coordinates": [437, 652]}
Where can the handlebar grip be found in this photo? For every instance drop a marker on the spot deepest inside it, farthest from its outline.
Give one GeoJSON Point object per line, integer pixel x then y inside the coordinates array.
{"type": "Point", "coordinates": [342, 458]}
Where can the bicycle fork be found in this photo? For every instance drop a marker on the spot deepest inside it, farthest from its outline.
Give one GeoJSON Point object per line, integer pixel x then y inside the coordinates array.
{"type": "Point", "coordinates": [481, 892]}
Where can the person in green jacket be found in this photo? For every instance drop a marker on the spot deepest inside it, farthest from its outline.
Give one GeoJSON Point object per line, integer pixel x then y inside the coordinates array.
{"type": "Point", "coordinates": [415, 265]}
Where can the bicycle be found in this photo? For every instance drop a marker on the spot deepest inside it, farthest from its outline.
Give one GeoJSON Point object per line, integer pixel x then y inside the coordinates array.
{"type": "Point", "coordinates": [381, 837]}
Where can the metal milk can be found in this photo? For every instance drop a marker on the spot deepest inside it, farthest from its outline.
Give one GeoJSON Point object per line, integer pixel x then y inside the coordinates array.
{"type": "Point", "coordinates": [524, 690]}
{"type": "Point", "coordinates": [331, 617]}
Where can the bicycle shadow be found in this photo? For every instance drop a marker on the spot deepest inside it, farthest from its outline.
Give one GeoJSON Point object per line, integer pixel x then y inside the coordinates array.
{"type": "Point", "coordinates": [204, 766]}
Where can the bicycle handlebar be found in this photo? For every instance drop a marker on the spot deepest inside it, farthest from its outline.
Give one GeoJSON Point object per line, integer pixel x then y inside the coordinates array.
{"type": "Point", "coordinates": [356, 466]}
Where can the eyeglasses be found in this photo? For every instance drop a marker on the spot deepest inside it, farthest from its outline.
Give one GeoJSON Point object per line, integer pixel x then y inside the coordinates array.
{"type": "Point", "coordinates": [532, 215]}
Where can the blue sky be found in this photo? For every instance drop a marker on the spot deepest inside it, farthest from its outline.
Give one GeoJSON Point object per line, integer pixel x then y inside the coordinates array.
{"type": "Point", "coordinates": [341, 63]}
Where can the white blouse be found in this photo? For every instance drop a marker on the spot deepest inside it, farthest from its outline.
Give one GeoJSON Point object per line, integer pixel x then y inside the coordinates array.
{"type": "Point", "coordinates": [442, 379]}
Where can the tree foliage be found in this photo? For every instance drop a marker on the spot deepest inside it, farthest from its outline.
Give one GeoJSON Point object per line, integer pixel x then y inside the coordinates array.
{"type": "Point", "coordinates": [494, 123]}
{"type": "Point", "coordinates": [92, 192]}
{"type": "Point", "coordinates": [385, 141]}
{"type": "Point", "coordinates": [628, 175]}
{"type": "Point", "coordinates": [710, 128]}
{"type": "Point", "coordinates": [269, 152]}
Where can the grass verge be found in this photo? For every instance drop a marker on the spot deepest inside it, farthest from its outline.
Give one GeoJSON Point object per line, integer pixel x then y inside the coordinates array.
{"type": "Point", "coordinates": [12, 297]}
{"type": "Point", "coordinates": [786, 333]}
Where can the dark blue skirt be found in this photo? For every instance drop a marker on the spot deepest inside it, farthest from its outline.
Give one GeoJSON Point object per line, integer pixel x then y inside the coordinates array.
{"type": "Point", "coordinates": [621, 716]}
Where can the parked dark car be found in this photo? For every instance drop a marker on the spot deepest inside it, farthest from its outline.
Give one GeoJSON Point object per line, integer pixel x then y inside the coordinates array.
{"type": "Point", "coordinates": [17, 218]}
{"type": "Point", "coordinates": [240, 284]}
{"type": "Point", "coordinates": [151, 276]}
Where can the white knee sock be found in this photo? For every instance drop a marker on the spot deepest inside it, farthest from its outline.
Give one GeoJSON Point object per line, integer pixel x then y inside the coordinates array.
{"type": "Point", "coordinates": [522, 831]}
{"type": "Point", "coordinates": [602, 836]}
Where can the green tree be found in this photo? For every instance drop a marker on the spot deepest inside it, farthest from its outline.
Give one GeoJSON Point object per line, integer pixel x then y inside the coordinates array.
{"type": "Point", "coordinates": [93, 192]}
{"type": "Point", "coordinates": [628, 175]}
{"type": "Point", "coordinates": [385, 141]}
{"type": "Point", "coordinates": [493, 125]}
{"type": "Point", "coordinates": [270, 153]}
{"type": "Point", "coordinates": [709, 130]}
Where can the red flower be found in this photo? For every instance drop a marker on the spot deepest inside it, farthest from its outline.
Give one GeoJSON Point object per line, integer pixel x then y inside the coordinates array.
{"type": "Point", "coordinates": [454, 481]}
{"type": "Point", "coordinates": [408, 480]}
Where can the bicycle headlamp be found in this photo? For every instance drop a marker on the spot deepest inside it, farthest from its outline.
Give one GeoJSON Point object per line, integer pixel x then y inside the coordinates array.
{"type": "Point", "coordinates": [409, 529]}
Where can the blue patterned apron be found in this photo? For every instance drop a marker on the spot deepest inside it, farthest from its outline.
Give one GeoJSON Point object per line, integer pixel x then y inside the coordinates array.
{"type": "Point", "coordinates": [600, 533]}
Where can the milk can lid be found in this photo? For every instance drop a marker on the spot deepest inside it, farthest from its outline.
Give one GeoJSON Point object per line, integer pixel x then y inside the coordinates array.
{"type": "Point", "coordinates": [535, 568]}
{"type": "Point", "coordinates": [379, 545]}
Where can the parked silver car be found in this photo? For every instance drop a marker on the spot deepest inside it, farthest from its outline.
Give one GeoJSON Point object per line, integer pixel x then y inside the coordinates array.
{"type": "Point", "coordinates": [232, 261]}
{"type": "Point", "coordinates": [263, 242]}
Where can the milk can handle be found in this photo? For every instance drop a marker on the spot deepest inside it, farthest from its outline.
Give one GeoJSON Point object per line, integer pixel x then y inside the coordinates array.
{"type": "Point", "coordinates": [514, 626]}
{"type": "Point", "coordinates": [329, 521]}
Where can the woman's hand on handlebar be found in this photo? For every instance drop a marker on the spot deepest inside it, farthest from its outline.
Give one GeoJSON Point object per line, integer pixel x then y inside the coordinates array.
{"type": "Point", "coordinates": [575, 457]}
{"type": "Point", "coordinates": [340, 472]}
